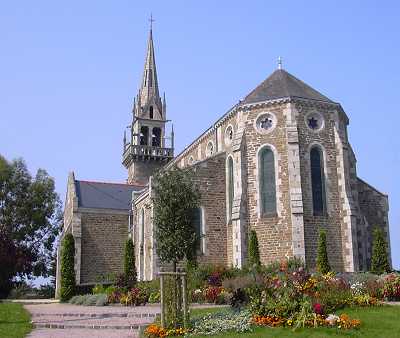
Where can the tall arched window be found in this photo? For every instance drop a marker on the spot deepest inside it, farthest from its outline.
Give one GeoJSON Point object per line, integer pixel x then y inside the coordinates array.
{"type": "Point", "coordinates": [317, 180]}
{"type": "Point", "coordinates": [198, 222]}
{"type": "Point", "coordinates": [267, 182]}
{"type": "Point", "coordinates": [151, 112]}
{"type": "Point", "coordinates": [142, 227]}
{"type": "Point", "coordinates": [231, 188]}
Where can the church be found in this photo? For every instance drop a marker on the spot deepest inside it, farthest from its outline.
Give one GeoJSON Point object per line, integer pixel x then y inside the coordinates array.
{"type": "Point", "coordinates": [279, 162]}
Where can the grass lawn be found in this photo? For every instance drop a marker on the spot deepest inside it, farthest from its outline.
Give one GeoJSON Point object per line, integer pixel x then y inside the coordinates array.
{"type": "Point", "coordinates": [14, 320]}
{"type": "Point", "coordinates": [377, 322]}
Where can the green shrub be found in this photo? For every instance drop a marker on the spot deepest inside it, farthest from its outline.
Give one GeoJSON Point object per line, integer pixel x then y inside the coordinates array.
{"type": "Point", "coordinates": [322, 255]}
{"type": "Point", "coordinates": [254, 252]}
{"type": "Point", "coordinates": [129, 263]}
{"type": "Point", "coordinates": [90, 300]}
{"type": "Point", "coordinates": [98, 288]}
{"type": "Point", "coordinates": [67, 280]}
{"type": "Point", "coordinates": [154, 297]}
{"type": "Point", "coordinates": [379, 260]}
{"type": "Point", "coordinates": [101, 300]}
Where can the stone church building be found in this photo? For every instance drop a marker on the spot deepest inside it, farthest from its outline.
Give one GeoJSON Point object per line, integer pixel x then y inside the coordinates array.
{"type": "Point", "coordinates": [279, 162]}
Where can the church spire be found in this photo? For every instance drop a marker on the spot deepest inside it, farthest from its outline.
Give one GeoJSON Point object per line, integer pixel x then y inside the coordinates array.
{"type": "Point", "coordinates": [149, 88]}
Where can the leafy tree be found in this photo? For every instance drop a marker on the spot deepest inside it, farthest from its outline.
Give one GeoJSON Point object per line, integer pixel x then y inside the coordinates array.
{"type": "Point", "coordinates": [379, 260]}
{"type": "Point", "coordinates": [30, 220]}
{"type": "Point", "coordinates": [254, 252]}
{"type": "Point", "coordinates": [67, 279]}
{"type": "Point", "coordinates": [175, 198]}
{"type": "Point", "coordinates": [129, 263]}
{"type": "Point", "coordinates": [322, 255]}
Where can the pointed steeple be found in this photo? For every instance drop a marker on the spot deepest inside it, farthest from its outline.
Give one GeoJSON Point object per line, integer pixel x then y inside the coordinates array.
{"type": "Point", "coordinates": [149, 88]}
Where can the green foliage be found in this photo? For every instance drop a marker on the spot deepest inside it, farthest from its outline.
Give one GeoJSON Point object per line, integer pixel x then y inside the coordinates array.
{"type": "Point", "coordinates": [175, 198]}
{"type": "Point", "coordinates": [67, 279]}
{"type": "Point", "coordinates": [129, 263]}
{"type": "Point", "coordinates": [322, 255]}
{"type": "Point", "coordinates": [30, 220]}
{"type": "Point", "coordinates": [254, 252]}
{"type": "Point", "coordinates": [379, 261]}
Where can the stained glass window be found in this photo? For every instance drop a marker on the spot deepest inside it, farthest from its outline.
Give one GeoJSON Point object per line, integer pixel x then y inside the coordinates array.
{"type": "Point", "coordinates": [267, 182]}
{"type": "Point", "coordinates": [317, 181]}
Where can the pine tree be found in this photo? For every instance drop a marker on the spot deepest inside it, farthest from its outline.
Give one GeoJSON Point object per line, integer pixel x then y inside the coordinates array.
{"type": "Point", "coordinates": [67, 280]}
{"type": "Point", "coordinates": [322, 255]}
{"type": "Point", "coordinates": [254, 252]}
{"type": "Point", "coordinates": [379, 260]}
{"type": "Point", "coordinates": [129, 263]}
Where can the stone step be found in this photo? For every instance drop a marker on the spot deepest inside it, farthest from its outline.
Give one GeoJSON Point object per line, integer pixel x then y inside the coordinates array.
{"type": "Point", "coordinates": [134, 327]}
{"type": "Point", "coordinates": [99, 315]}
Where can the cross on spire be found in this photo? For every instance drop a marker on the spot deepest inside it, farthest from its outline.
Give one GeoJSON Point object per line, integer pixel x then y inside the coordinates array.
{"type": "Point", "coordinates": [151, 21]}
{"type": "Point", "coordinates": [279, 63]}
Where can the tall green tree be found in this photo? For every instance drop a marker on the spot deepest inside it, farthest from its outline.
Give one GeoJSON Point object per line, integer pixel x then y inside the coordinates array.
{"type": "Point", "coordinates": [379, 260]}
{"type": "Point", "coordinates": [254, 251]}
{"type": "Point", "coordinates": [67, 279]}
{"type": "Point", "coordinates": [129, 263]}
{"type": "Point", "coordinates": [323, 265]}
{"type": "Point", "coordinates": [175, 199]}
{"type": "Point", "coordinates": [30, 220]}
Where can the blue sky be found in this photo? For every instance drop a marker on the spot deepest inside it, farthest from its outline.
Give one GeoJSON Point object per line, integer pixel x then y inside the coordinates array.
{"type": "Point", "coordinates": [69, 72]}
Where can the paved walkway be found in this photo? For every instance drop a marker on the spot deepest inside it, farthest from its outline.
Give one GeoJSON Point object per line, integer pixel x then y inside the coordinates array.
{"type": "Point", "coordinates": [73, 321]}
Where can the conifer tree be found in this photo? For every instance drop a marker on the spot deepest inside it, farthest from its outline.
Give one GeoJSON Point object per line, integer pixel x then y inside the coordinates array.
{"type": "Point", "coordinates": [322, 255]}
{"type": "Point", "coordinates": [129, 263]}
{"type": "Point", "coordinates": [379, 261]}
{"type": "Point", "coordinates": [68, 283]}
{"type": "Point", "coordinates": [254, 252]}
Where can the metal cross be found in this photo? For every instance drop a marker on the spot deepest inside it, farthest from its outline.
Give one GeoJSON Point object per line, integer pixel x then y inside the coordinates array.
{"type": "Point", "coordinates": [279, 63]}
{"type": "Point", "coordinates": [151, 20]}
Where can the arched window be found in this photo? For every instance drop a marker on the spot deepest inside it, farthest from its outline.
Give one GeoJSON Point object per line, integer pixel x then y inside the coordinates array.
{"type": "Point", "coordinates": [142, 227]}
{"type": "Point", "coordinates": [317, 181]}
{"type": "Point", "coordinates": [156, 137]}
{"type": "Point", "coordinates": [198, 222]}
{"type": "Point", "coordinates": [210, 149]}
{"type": "Point", "coordinates": [144, 135]}
{"type": "Point", "coordinates": [267, 182]}
{"type": "Point", "coordinates": [151, 113]}
{"type": "Point", "coordinates": [231, 188]}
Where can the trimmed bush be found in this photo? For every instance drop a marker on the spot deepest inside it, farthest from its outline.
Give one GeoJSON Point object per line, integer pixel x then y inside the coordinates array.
{"type": "Point", "coordinates": [129, 264]}
{"type": "Point", "coordinates": [254, 252]}
{"type": "Point", "coordinates": [67, 280]}
{"type": "Point", "coordinates": [322, 255]}
{"type": "Point", "coordinates": [379, 261]}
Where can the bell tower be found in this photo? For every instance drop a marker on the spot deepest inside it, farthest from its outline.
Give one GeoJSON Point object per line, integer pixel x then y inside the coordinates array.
{"type": "Point", "coordinates": [147, 148]}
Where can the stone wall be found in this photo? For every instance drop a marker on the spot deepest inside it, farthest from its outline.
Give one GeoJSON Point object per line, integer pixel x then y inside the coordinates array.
{"type": "Point", "coordinates": [374, 208]}
{"type": "Point", "coordinates": [103, 237]}
{"type": "Point", "coordinates": [331, 221]}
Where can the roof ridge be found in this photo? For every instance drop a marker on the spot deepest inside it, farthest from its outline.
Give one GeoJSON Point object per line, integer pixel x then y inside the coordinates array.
{"type": "Point", "coordinates": [113, 183]}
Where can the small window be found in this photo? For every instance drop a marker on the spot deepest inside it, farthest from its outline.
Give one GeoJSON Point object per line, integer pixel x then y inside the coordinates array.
{"type": "Point", "coordinates": [228, 135]}
{"type": "Point", "coordinates": [142, 227]}
{"type": "Point", "coordinates": [191, 160]}
{"type": "Point", "coordinates": [150, 78]}
{"type": "Point", "coordinates": [151, 112]}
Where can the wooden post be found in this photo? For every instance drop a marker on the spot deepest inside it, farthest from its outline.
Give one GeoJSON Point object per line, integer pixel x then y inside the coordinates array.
{"type": "Point", "coordinates": [185, 305]}
{"type": "Point", "coordinates": [162, 300]}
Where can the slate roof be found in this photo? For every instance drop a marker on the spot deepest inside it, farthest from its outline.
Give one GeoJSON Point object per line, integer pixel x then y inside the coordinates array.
{"type": "Point", "coordinates": [281, 84]}
{"type": "Point", "coordinates": [101, 195]}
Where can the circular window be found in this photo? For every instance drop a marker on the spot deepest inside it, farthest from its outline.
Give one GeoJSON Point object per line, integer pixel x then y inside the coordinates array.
{"type": "Point", "coordinates": [210, 149]}
{"type": "Point", "coordinates": [265, 123]}
{"type": "Point", "coordinates": [228, 135]}
{"type": "Point", "coordinates": [314, 121]}
{"type": "Point", "coordinates": [191, 160]}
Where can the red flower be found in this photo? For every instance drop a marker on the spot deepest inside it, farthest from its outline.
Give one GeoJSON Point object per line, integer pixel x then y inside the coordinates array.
{"type": "Point", "coordinates": [318, 309]}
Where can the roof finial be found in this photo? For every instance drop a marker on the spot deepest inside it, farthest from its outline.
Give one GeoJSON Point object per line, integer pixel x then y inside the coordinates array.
{"type": "Point", "coordinates": [279, 63]}
{"type": "Point", "coordinates": [151, 21]}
